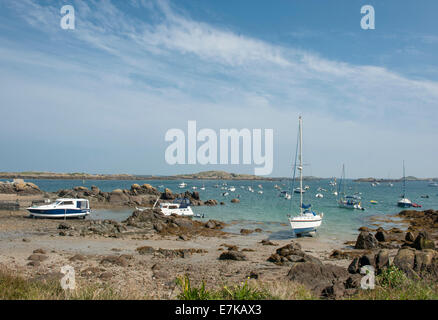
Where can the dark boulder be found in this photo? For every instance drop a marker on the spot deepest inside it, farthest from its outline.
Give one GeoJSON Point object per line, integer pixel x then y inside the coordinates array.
{"type": "Point", "coordinates": [232, 255]}
{"type": "Point", "coordinates": [423, 241]}
{"type": "Point", "coordinates": [366, 240]}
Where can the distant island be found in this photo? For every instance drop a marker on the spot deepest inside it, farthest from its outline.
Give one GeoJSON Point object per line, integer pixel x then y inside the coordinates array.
{"type": "Point", "coordinates": [204, 175]}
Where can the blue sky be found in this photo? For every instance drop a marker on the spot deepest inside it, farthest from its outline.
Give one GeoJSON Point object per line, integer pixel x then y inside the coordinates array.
{"type": "Point", "coordinates": [100, 98]}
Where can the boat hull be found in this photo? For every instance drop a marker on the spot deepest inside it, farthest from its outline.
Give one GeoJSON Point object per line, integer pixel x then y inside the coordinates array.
{"type": "Point", "coordinates": [404, 205]}
{"type": "Point", "coordinates": [304, 226]}
{"type": "Point", "coordinates": [58, 213]}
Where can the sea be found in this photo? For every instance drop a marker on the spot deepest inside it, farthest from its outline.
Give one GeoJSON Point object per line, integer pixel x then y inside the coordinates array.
{"type": "Point", "coordinates": [268, 210]}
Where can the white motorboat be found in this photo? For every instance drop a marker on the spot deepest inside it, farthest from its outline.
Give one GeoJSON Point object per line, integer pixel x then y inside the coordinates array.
{"type": "Point", "coordinates": [232, 189]}
{"type": "Point", "coordinates": [62, 208]}
{"type": "Point", "coordinates": [404, 202]}
{"type": "Point", "coordinates": [182, 185]}
{"type": "Point", "coordinates": [319, 195]}
{"type": "Point", "coordinates": [299, 190]}
{"type": "Point", "coordinates": [179, 207]}
{"type": "Point", "coordinates": [307, 220]}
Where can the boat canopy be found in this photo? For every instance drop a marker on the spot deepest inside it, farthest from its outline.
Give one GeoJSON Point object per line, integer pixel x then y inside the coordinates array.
{"type": "Point", "coordinates": [306, 206]}
{"type": "Point", "coordinates": [183, 202]}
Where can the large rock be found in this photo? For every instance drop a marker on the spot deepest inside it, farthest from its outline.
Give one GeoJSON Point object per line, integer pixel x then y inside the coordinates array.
{"type": "Point", "coordinates": [405, 261]}
{"type": "Point", "coordinates": [232, 255]}
{"type": "Point", "coordinates": [366, 240]}
{"type": "Point", "coordinates": [318, 277]}
{"type": "Point", "coordinates": [423, 241]}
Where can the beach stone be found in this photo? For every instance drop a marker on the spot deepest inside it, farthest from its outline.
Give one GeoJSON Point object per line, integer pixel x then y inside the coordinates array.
{"type": "Point", "coordinates": [37, 257]}
{"type": "Point", "coordinates": [114, 260]}
{"type": "Point", "coordinates": [338, 254]}
{"type": "Point", "coordinates": [232, 255]}
{"type": "Point", "coordinates": [41, 251]}
{"type": "Point", "coordinates": [366, 240]}
{"type": "Point", "coordinates": [78, 257]}
{"type": "Point", "coordinates": [246, 231]}
{"type": "Point", "coordinates": [267, 242]}
{"type": "Point", "coordinates": [275, 258]}
{"type": "Point", "coordinates": [64, 226]}
{"type": "Point", "coordinates": [235, 200]}
{"type": "Point", "coordinates": [34, 263]}
{"type": "Point", "coordinates": [145, 250]}
{"type": "Point", "coordinates": [423, 241]}
{"type": "Point", "coordinates": [25, 240]}
{"type": "Point", "coordinates": [106, 275]}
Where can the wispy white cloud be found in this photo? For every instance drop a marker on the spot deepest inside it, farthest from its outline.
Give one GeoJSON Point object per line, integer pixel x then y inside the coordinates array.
{"type": "Point", "coordinates": [122, 66]}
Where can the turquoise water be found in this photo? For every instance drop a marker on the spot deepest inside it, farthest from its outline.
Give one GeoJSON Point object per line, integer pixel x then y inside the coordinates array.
{"type": "Point", "coordinates": [268, 211]}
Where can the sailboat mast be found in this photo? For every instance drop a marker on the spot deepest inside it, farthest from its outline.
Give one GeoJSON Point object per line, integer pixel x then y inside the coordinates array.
{"type": "Point", "coordinates": [301, 165]}
{"type": "Point", "coordinates": [404, 180]}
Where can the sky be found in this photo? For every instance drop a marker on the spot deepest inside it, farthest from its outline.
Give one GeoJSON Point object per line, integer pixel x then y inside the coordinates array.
{"type": "Point", "coordinates": [100, 98]}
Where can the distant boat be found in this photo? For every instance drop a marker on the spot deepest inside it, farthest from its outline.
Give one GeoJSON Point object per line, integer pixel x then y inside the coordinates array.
{"type": "Point", "coordinates": [307, 220]}
{"type": "Point", "coordinates": [62, 208]}
{"type": "Point", "coordinates": [347, 201]}
{"type": "Point", "coordinates": [433, 184]}
{"type": "Point", "coordinates": [319, 195]}
{"type": "Point", "coordinates": [225, 194]}
{"type": "Point", "coordinates": [202, 188]}
{"type": "Point", "coordinates": [182, 185]}
{"type": "Point", "coordinates": [404, 202]}
{"type": "Point", "coordinates": [232, 189]}
{"type": "Point", "coordinates": [299, 190]}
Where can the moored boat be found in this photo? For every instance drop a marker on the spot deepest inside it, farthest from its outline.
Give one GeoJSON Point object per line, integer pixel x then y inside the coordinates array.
{"type": "Point", "coordinates": [307, 220]}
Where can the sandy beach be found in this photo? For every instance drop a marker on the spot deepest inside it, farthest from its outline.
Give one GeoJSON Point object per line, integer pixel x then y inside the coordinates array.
{"type": "Point", "coordinates": [150, 275]}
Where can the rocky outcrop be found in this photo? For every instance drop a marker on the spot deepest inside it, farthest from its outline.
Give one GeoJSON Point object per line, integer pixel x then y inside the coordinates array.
{"type": "Point", "coordinates": [169, 253]}
{"type": "Point", "coordinates": [19, 187]}
{"type": "Point", "coordinates": [379, 259]}
{"type": "Point", "coordinates": [420, 220]}
{"type": "Point", "coordinates": [155, 221]}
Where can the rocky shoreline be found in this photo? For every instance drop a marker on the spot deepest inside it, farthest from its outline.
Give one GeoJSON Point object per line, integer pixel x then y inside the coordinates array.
{"type": "Point", "coordinates": [20, 194]}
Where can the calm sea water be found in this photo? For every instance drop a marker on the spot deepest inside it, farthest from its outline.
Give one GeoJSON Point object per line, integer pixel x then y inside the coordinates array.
{"type": "Point", "coordinates": [268, 211]}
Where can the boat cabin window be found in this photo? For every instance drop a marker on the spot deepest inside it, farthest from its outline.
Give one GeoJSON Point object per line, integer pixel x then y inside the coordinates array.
{"type": "Point", "coordinates": [173, 207]}
{"type": "Point", "coordinates": [164, 207]}
{"type": "Point", "coordinates": [65, 203]}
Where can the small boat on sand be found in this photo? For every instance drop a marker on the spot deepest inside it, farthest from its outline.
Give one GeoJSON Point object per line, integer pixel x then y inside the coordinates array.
{"type": "Point", "coordinates": [62, 208]}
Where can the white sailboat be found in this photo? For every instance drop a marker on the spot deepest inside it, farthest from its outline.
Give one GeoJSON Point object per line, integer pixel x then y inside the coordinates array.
{"type": "Point", "coordinates": [404, 202]}
{"type": "Point", "coordinates": [307, 220]}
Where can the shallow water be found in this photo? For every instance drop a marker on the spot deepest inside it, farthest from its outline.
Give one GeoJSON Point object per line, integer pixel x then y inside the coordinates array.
{"type": "Point", "coordinates": [268, 211]}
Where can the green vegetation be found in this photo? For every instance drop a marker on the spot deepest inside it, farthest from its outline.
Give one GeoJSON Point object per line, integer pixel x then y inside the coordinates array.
{"type": "Point", "coordinates": [244, 291]}
{"type": "Point", "coordinates": [13, 287]}
{"type": "Point", "coordinates": [393, 284]}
